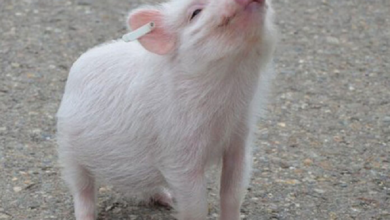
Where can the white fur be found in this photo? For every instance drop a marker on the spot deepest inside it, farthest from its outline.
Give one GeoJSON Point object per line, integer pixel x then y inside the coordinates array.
{"type": "Point", "coordinates": [147, 123]}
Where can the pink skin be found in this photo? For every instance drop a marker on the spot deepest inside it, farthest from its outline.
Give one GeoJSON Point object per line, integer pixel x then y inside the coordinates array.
{"type": "Point", "coordinates": [251, 5]}
{"type": "Point", "coordinates": [151, 117]}
{"type": "Point", "coordinates": [245, 3]}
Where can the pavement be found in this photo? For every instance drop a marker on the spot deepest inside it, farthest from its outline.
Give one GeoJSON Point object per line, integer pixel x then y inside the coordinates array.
{"type": "Point", "coordinates": [323, 151]}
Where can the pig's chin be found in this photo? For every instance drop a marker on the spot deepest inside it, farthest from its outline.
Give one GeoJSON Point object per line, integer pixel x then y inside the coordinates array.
{"type": "Point", "coordinates": [252, 16]}
{"type": "Point", "coordinates": [255, 7]}
{"type": "Point", "coordinates": [247, 27]}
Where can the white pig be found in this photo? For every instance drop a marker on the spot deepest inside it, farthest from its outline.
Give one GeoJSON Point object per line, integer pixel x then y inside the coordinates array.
{"type": "Point", "coordinates": [150, 117]}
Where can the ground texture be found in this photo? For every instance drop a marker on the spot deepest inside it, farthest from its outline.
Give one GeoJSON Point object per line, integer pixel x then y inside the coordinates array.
{"type": "Point", "coordinates": [323, 150]}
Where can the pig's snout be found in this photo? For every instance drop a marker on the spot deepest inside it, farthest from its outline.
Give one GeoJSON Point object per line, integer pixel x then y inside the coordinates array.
{"type": "Point", "coordinates": [245, 3]}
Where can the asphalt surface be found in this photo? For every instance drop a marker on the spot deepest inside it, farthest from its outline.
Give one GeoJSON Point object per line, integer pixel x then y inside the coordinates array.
{"type": "Point", "coordinates": [323, 149]}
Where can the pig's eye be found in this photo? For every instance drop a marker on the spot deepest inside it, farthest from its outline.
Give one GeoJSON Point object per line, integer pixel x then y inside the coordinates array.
{"type": "Point", "coordinates": [195, 13]}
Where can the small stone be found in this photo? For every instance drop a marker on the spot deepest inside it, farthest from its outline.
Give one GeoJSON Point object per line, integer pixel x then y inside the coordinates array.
{"type": "Point", "coordinates": [325, 165]}
{"type": "Point", "coordinates": [386, 119]}
{"type": "Point", "coordinates": [30, 75]}
{"type": "Point", "coordinates": [298, 171]}
{"type": "Point", "coordinates": [344, 185]}
{"type": "Point", "coordinates": [308, 162]}
{"type": "Point", "coordinates": [320, 191]}
{"type": "Point", "coordinates": [333, 40]}
{"type": "Point", "coordinates": [281, 124]}
{"type": "Point", "coordinates": [288, 182]}
{"type": "Point", "coordinates": [36, 131]}
{"type": "Point", "coordinates": [33, 113]}
{"type": "Point", "coordinates": [333, 216]}
{"type": "Point", "coordinates": [46, 136]}
{"type": "Point", "coordinates": [355, 209]}
{"type": "Point", "coordinates": [4, 216]}
{"type": "Point", "coordinates": [284, 165]}
{"type": "Point", "coordinates": [28, 182]}
{"type": "Point", "coordinates": [292, 142]}
{"type": "Point", "coordinates": [376, 165]}
{"type": "Point", "coordinates": [133, 217]}
{"type": "Point", "coordinates": [109, 208]}
{"type": "Point", "coordinates": [103, 190]}
{"type": "Point", "coordinates": [338, 139]}
{"type": "Point", "coordinates": [309, 180]}
{"type": "Point", "coordinates": [15, 65]}
{"type": "Point", "coordinates": [117, 210]}
{"type": "Point", "coordinates": [17, 189]}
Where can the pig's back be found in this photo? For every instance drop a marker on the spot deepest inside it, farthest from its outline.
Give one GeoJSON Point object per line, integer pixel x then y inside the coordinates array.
{"type": "Point", "coordinates": [99, 77]}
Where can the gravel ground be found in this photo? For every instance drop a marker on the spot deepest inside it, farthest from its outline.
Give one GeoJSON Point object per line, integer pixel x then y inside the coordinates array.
{"type": "Point", "coordinates": [323, 151]}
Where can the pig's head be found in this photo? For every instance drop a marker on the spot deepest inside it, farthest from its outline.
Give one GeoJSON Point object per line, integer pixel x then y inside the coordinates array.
{"type": "Point", "coordinates": [204, 31]}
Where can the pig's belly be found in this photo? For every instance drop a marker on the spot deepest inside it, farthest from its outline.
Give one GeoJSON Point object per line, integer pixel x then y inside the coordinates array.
{"type": "Point", "coordinates": [129, 167]}
{"type": "Point", "coordinates": [131, 178]}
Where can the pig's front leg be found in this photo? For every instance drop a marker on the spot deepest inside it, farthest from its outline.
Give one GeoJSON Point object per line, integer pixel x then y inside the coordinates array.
{"type": "Point", "coordinates": [188, 184]}
{"type": "Point", "coordinates": [192, 199]}
{"type": "Point", "coordinates": [237, 162]}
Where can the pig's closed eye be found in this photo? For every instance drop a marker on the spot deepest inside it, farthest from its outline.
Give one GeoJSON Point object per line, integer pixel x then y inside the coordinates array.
{"type": "Point", "coordinates": [195, 13]}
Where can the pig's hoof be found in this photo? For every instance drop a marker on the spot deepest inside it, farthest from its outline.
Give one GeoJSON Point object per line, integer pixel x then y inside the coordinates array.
{"type": "Point", "coordinates": [86, 217]}
{"type": "Point", "coordinates": [163, 198]}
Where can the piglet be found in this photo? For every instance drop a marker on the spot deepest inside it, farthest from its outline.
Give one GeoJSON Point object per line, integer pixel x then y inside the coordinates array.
{"type": "Point", "coordinates": [150, 117]}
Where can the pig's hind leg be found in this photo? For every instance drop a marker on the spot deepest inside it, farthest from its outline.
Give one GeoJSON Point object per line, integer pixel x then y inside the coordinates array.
{"type": "Point", "coordinates": [82, 186]}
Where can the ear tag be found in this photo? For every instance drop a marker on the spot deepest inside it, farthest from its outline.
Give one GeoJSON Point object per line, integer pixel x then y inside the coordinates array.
{"type": "Point", "coordinates": [138, 33]}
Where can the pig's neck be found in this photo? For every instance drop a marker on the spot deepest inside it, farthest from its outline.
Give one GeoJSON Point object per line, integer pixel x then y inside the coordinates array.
{"type": "Point", "coordinates": [220, 89]}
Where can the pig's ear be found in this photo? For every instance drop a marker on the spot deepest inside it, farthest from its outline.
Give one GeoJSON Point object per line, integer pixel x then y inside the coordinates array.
{"type": "Point", "coordinates": [160, 40]}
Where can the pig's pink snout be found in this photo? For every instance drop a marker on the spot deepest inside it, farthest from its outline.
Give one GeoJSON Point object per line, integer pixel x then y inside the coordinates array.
{"type": "Point", "coordinates": [247, 2]}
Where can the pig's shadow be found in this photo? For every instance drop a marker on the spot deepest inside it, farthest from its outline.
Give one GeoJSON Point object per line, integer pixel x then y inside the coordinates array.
{"type": "Point", "coordinates": [127, 209]}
